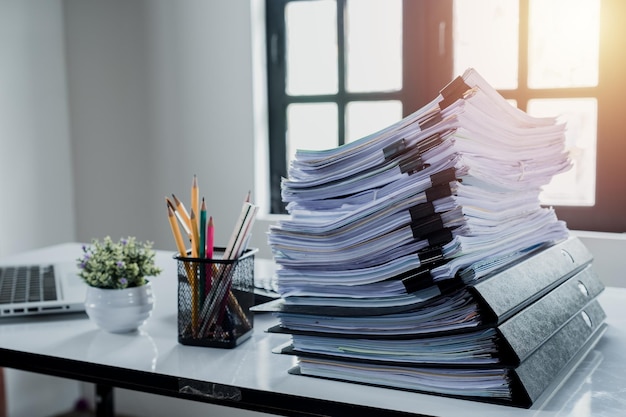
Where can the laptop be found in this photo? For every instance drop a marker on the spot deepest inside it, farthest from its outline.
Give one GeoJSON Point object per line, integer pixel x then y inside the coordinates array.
{"type": "Point", "coordinates": [40, 289]}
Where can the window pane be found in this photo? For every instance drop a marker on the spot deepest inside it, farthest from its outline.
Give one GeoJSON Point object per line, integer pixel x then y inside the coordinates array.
{"type": "Point", "coordinates": [311, 126]}
{"type": "Point", "coordinates": [486, 38]}
{"type": "Point", "coordinates": [311, 31]}
{"type": "Point", "coordinates": [563, 43]}
{"type": "Point", "coordinates": [575, 187]}
{"type": "Point", "coordinates": [374, 45]}
{"type": "Point", "coordinates": [366, 117]}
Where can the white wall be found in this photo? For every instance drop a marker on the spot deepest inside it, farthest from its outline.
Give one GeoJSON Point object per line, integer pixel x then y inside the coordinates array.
{"type": "Point", "coordinates": [109, 119]}
{"type": "Point", "coordinates": [36, 185]}
{"type": "Point", "coordinates": [609, 255]}
{"type": "Point", "coordinates": [106, 107]}
{"type": "Point", "coordinates": [160, 91]}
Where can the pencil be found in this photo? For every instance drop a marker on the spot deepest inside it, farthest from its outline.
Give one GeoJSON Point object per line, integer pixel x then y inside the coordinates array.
{"type": "Point", "coordinates": [195, 195]}
{"type": "Point", "coordinates": [203, 228]}
{"type": "Point", "coordinates": [194, 279]}
{"type": "Point", "coordinates": [202, 250]}
{"type": "Point", "coordinates": [220, 293]}
{"type": "Point", "coordinates": [180, 244]}
{"type": "Point", "coordinates": [195, 239]}
{"type": "Point", "coordinates": [210, 233]}
{"type": "Point", "coordinates": [210, 236]}
{"type": "Point", "coordinates": [180, 208]}
{"type": "Point", "coordinates": [180, 218]}
{"type": "Point", "coordinates": [230, 251]}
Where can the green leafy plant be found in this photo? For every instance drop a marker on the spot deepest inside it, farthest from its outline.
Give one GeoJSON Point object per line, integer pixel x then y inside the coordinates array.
{"type": "Point", "coordinates": [123, 264]}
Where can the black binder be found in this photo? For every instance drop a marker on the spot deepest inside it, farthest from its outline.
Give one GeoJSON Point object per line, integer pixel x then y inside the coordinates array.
{"type": "Point", "coordinates": [527, 330]}
{"type": "Point", "coordinates": [544, 309]}
{"type": "Point", "coordinates": [533, 381]}
{"type": "Point", "coordinates": [511, 289]}
{"type": "Point", "coordinates": [499, 295]}
{"type": "Point", "coordinates": [547, 368]}
{"type": "Point", "coordinates": [518, 336]}
{"type": "Point", "coordinates": [504, 291]}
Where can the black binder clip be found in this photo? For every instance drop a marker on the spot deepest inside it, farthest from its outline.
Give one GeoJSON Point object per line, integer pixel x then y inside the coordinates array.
{"type": "Point", "coordinates": [395, 149]}
{"type": "Point", "coordinates": [443, 177]}
{"type": "Point", "coordinates": [437, 192]}
{"type": "Point", "coordinates": [430, 121]}
{"type": "Point", "coordinates": [417, 280]}
{"type": "Point", "coordinates": [430, 255]}
{"type": "Point", "coordinates": [452, 92]}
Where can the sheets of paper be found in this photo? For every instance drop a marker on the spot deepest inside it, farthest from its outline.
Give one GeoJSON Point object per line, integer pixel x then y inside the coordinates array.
{"type": "Point", "coordinates": [386, 235]}
{"type": "Point", "coordinates": [453, 184]}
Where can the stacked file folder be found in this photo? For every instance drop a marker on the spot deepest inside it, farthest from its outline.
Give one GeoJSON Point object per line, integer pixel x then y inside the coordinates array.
{"type": "Point", "coordinates": [420, 258]}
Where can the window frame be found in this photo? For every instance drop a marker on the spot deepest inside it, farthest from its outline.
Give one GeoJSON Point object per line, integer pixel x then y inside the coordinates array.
{"type": "Point", "coordinates": [427, 67]}
{"type": "Point", "coordinates": [279, 100]}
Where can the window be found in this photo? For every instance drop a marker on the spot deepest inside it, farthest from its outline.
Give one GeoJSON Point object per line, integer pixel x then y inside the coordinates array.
{"type": "Point", "coordinates": [553, 72]}
{"type": "Point", "coordinates": [328, 73]}
{"type": "Point", "coordinates": [342, 69]}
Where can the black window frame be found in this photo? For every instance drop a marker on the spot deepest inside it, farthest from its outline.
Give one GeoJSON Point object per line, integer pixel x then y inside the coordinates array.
{"type": "Point", "coordinates": [428, 66]}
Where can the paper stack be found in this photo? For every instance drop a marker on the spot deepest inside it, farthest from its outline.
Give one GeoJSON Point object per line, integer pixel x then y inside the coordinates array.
{"type": "Point", "coordinates": [390, 236]}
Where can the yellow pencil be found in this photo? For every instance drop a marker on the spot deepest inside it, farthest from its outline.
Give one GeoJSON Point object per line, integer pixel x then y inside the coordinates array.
{"type": "Point", "coordinates": [180, 243]}
{"type": "Point", "coordinates": [195, 237]}
{"type": "Point", "coordinates": [180, 218]}
{"type": "Point", "coordinates": [195, 196]}
{"type": "Point", "coordinates": [180, 208]}
{"type": "Point", "coordinates": [195, 299]}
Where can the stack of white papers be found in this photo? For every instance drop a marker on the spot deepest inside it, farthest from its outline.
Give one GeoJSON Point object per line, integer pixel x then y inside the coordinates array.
{"type": "Point", "coordinates": [492, 383]}
{"type": "Point", "coordinates": [384, 232]}
{"type": "Point", "coordinates": [454, 184]}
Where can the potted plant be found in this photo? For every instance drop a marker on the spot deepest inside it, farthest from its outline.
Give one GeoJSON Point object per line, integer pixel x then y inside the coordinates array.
{"type": "Point", "coordinates": [119, 296]}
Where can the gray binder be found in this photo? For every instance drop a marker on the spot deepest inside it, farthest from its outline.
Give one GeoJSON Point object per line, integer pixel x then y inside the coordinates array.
{"type": "Point", "coordinates": [520, 335]}
{"type": "Point", "coordinates": [546, 314]}
{"type": "Point", "coordinates": [534, 380]}
{"type": "Point", "coordinates": [532, 326]}
{"type": "Point", "coordinates": [509, 290]}
{"type": "Point", "coordinates": [547, 368]}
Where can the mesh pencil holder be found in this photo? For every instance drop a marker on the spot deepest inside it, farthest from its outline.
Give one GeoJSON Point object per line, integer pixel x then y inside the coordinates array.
{"type": "Point", "coordinates": [214, 299]}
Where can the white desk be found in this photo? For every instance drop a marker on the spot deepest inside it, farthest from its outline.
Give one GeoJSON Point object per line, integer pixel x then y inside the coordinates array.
{"type": "Point", "coordinates": [251, 377]}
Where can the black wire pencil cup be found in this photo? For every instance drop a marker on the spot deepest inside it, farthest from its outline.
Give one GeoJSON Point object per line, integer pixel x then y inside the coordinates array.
{"type": "Point", "coordinates": [215, 284]}
{"type": "Point", "coordinates": [214, 299]}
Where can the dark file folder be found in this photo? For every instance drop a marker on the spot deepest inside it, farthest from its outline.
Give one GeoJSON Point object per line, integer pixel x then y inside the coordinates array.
{"type": "Point", "coordinates": [508, 290]}
{"type": "Point", "coordinates": [517, 337]}
{"type": "Point", "coordinates": [530, 383]}
{"type": "Point", "coordinates": [543, 310]}
{"type": "Point", "coordinates": [498, 296]}
{"type": "Point", "coordinates": [548, 367]}
{"type": "Point", "coordinates": [420, 257]}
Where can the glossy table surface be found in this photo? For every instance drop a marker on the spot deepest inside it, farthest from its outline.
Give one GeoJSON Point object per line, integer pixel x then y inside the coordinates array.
{"type": "Point", "coordinates": [250, 376]}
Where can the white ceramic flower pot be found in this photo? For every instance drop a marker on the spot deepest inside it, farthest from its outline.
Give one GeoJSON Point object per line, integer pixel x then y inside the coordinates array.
{"type": "Point", "coordinates": [119, 310]}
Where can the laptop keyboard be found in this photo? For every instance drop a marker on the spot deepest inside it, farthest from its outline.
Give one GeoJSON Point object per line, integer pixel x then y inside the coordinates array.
{"type": "Point", "coordinates": [22, 284]}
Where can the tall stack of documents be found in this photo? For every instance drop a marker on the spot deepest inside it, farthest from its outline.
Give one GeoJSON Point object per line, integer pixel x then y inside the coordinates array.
{"type": "Point", "coordinates": [420, 258]}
